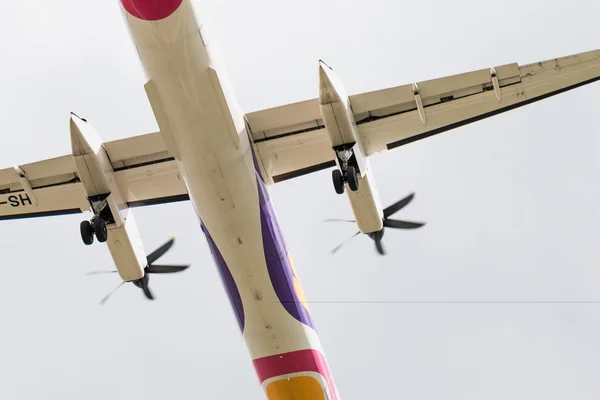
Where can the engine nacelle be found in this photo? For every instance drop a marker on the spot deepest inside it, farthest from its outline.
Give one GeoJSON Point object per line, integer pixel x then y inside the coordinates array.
{"type": "Point", "coordinates": [113, 222]}
{"type": "Point", "coordinates": [354, 172]}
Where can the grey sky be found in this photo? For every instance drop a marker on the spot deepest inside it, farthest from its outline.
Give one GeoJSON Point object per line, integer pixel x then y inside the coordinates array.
{"type": "Point", "coordinates": [511, 205]}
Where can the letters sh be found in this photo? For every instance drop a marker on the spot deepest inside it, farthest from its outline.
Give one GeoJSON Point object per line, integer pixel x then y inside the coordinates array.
{"type": "Point", "coordinates": [17, 201]}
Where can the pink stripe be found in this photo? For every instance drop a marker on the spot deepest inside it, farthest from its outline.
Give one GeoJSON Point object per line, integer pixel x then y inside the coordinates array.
{"type": "Point", "coordinates": [151, 10]}
{"type": "Point", "coordinates": [297, 361]}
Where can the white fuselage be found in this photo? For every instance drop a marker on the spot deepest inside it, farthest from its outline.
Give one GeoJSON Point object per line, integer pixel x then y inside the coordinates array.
{"type": "Point", "coordinates": [203, 130]}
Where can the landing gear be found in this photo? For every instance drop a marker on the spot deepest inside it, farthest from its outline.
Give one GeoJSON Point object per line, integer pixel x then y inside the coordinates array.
{"type": "Point", "coordinates": [352, 178]}
{"type": "Point", "coordinates": [100, 230]}
{"type": "Point", "coordinates": [346, 173]}
{"type": "Point", "coordinates": [95, 227]}
{"type": "Point", "coordinates": [87, 232]}
{"type": "Point", "coordinates": [338, 181]}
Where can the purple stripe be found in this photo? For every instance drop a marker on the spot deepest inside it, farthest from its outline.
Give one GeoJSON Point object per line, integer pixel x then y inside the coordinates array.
{"type": "Point", "coordinates": [227, 279]}
{"type": "Point", "coordinates": [276, 256]}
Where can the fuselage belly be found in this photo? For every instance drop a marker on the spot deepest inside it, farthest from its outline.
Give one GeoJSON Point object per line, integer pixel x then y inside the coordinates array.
{"type": "Point", "coordinates": [202, 128]}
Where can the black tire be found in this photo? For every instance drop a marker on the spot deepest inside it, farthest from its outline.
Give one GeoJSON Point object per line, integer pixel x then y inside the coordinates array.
{"type": "Point", "coordinates": [87, 232]}
{"type": "Point", "coordinates": [352, 178]}
{"type": "Point", "coordinates": [338, 181]}
{"type": "Point", "coordinates": [100, 230]}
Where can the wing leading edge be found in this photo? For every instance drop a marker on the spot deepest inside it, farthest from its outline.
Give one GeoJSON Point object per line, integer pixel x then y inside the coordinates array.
{"type": "Point", "coordinates": [292, 140]}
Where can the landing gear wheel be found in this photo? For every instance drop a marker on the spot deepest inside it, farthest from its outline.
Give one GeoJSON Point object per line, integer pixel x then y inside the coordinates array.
{"type": "Point", "coordinates": [352, 178]}
{"type": "Point", "coordinates": [338, 181]}
{"type": "Point", "coordinates": [87, 232]}
{"type": "Point", "coordinates": [100, 230]}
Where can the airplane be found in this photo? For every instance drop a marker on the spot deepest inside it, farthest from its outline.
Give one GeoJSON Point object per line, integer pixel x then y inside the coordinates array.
{"type": "Point", "coordinates": [210, 153]}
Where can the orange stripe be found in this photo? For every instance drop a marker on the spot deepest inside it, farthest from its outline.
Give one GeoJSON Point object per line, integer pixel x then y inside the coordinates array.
{"type": "Point", "coordinates": [296, 388]}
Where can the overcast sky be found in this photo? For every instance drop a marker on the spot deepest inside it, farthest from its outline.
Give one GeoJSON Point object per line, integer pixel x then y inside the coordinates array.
{"type": "Point", "coordinates": [511, 204]}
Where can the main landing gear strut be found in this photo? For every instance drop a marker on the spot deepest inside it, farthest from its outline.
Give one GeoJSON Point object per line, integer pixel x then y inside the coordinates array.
{"type": "Point", "coordinates": [347, 173]}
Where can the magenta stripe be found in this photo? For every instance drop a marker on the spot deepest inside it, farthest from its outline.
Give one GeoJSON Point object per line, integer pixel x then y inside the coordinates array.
{"type": "Point", "coordinates": [151, 10]}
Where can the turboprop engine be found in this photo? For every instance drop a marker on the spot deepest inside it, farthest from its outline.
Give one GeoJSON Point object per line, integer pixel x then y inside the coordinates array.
{"type": "Point", "coordinates": [113, 221]}
{"type": "Point", "coordinates": [353, 168]}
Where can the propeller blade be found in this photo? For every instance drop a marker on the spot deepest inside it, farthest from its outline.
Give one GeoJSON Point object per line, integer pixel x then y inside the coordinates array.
{"type": "Point", "coordinates": [165, 269]}
{"type": "Point", "coordinates": [144, 284]}
{"type": "Point", "coordinates": [393, 223]}
{"type": "Point", "coordinates": [100, 272]}
{"type": "Point", "coordinates": [344, 242]}
{"type": "Point", "coordinates": [156, 254]}
{"type": "Point", "coordinates": [379, 246]}
{"type": "Point", "coordinates": [338, 220]}
{"type": "Point", "coordinates": [147, 292]}
{"type": "Point", "coordinates": [105, 299]}
{"type": "Point", "coordinates": [394, 208]}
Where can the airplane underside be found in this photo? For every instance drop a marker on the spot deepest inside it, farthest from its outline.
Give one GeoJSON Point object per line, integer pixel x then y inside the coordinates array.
{"type": "Point", "coordinates": [223, 161]}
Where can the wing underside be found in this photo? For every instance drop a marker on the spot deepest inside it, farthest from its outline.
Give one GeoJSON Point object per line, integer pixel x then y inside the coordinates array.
{"type": "Point", "coordinates": [144, 171]}
{"type": "Point", "coordinates": [291, 140]}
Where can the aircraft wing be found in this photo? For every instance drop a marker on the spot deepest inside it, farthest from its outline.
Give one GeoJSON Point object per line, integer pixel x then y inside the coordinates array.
{"type": "Point", "coordinates": [144, 172]}
{"type": "Point", "coordinates": [291, 140]}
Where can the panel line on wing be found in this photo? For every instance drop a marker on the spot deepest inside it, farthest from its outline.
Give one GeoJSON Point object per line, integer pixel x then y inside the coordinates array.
{"type": "Point", "coordinates": [292, 133]}
{"type": "Point", "coordinates": [40, 214]}
{"type": "Point", "coordinates": [157, 201]}
{"type": "Point", "coordinates": [303, 171]}
{"type": "Point", "coordinates": [144, 164]}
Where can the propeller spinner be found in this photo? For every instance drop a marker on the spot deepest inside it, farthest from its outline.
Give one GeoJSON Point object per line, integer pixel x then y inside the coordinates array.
{"type": "Point", "coordinates": [387, 223]}
{"type": "Point", "coordinates": [151, 268]}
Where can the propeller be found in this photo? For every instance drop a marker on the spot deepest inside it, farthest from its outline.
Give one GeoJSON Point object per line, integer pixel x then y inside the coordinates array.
{"type": "Point", "coordinates": [150, 268]}
{"type": "Point", "coordinates": [387, 223]}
